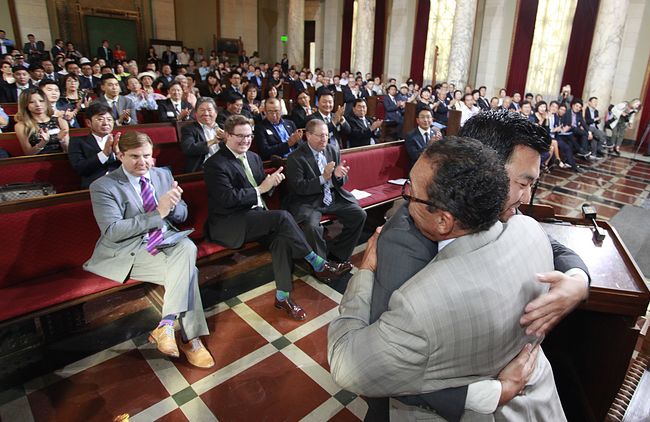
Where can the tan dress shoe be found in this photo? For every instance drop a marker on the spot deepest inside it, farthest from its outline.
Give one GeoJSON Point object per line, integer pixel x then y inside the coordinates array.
{"type": "Point", "coordinates": [197, 354]}
{"type": "Point", "coordinates": [165, 339]}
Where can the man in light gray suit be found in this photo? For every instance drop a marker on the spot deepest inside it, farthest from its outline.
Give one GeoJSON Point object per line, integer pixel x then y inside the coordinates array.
{"type": "Point", "coordinates": [122, 108]}
{"type": "Point", "coordinates": [457, 321]}
{"type": "Point", "coordinates": [136, 207]}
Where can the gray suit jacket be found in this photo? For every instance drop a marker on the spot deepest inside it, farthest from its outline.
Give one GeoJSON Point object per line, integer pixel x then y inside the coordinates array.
{"type": "Point", "coordinates": [123, 223]}
{"type": "Point", "coordinates": [123, 103]}
{"type": "Point", "coordinates": [464, 327]}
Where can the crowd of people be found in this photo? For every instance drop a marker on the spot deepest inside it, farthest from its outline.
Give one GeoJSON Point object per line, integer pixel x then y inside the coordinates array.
{"type": "Point", "coordinates": [459, 194]}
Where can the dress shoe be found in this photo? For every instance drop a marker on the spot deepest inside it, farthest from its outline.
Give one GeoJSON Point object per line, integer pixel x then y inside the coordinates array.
{"type": "Point", "coordinates": [165, 340]}
{"type": "Point", "coordinates": [578, 169]}
{"type": "Point", "coordinates": [292, 308]}
{"type": "Point", "coordinates": [617, 152]}
{"type": "Point", "coordinates": [332, 271]}
{"type": "Point", "coordinates": [197, 354]}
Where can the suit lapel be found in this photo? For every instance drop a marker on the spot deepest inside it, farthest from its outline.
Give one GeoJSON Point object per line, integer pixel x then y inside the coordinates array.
{"type": "Point", "coordinates": [121, 178]}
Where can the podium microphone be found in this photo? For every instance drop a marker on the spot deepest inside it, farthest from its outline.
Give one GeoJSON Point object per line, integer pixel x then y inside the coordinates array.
{"type": "Point", "coordinates": [589, 213]}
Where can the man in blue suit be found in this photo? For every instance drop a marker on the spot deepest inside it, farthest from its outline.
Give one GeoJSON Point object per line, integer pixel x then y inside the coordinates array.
{"type": "Point", "coordinates": [418, 139]}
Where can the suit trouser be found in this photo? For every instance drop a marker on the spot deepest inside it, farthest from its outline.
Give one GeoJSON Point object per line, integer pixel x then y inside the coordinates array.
{"type": "Point", "coordinates": [565, 151]}
{"type": "Point", "coordinates": [618, 133]}
{"type": "Point", "coordinates": [279, 232]}
{"type": "Point", "coordinates": [175, 269]}
{"type": "Point", "coordinates": [350, 214]}
{"type": "Point", "coordinates": [581, 140]}
{"type": "Point", "coordinates": [600, 136]}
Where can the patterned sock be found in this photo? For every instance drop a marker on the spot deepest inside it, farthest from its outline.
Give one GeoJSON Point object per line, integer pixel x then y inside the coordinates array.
{"type": "Point", "coordinates": [281, 295]}
{"type": "Point", "coordinates": [168, 320]}
{"type": "Point", "coordinates": [317, 262]}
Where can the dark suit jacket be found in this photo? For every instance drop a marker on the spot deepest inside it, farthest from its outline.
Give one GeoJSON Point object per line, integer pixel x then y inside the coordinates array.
{"type": "Point", "coordinates": [169, 57]}
{"type": "Point", "coordinates": [306, 192]}
{"type": "Point", "coordinates": [392, 110]}
{"type": "Point", "coordinates": [82, 153]}
{"type": "Point", "coordinates": [230, 195]}
{"type": "Point", "coordinates": [335, 130]}
{"type": "Point", "coordinates": [34, 54]}
{"type": "Point", "coordinates": [589, 119]}
{"type": "Point", "coordinates": [483, 103]}
{"type": "Point", "coordinates": [223, 115]}
{"type": "Point", "coordinates": [194, 146]}
{"type": "Point", "coordinates": [298, 86]}
{"type": "Point", "coordinates": [123, 103]}
{"type": "Point", "coordinates": [167, 111]}
{"type": "Point", "coordinates": [414, 144]}
{"type": "Point", "coordinates": [298, 116]}
{"type": "Point", "coordinates": [56, 50]}
{"type": "Point", "coordinates": [556, 122]}
{"type": "Point", "coordinates": [441, 114]}
{"type": "Point", "coordinates": [85, 82]}
{"type": "Point", "coordinates": [580, 121]}
{"type": "Point", "coordinates": [9, 92]}
{"type": "Point", "coordinates": [165, 81]}
{"type": "Point", "coordinates": [268, 140]}
{"type": "Point", "coordinates": [106, 55]}
{"type": "Point", "coordinates": [360, 135]}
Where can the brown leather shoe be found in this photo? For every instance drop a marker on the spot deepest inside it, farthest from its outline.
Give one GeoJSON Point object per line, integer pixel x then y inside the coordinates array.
{"type": "Point", "coordinates": [292, 308]}
{"type": "Point", "coordinates": [165, 339]}
{"type": "Point", "coordinates": [197, 354]}
{"type": "Point", "coordinates": [332, 271]}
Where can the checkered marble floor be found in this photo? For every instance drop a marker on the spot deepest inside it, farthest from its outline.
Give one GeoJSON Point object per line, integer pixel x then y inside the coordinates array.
{"type": "Point", "coordinates": [268, 367]}
{"type": "Point", "coordinates": [608, 185]}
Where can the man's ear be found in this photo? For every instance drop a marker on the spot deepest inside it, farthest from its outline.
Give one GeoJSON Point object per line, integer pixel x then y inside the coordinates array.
{"type": "Point", "coordinates": [444, 221]}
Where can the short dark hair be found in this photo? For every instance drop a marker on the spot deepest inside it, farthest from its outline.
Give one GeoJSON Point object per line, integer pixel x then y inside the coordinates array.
{"type": "Point", "coordinates": [592, 98]}
{"type": "Point", "coordinates": [107, 76]}
{"type": "Point", "coordinates": [469, 181]}
{"type": "Point", "coordinates": [325, 92]}
{"type": "Point", "coordinates": [391, 86]}
{"type": "Point", "coordinates": [554, 102]}
{"type": "Point", "coordinates": [503, 130]}
{"type": "Point", "coordinates": [71, 62]}
{"type": "Point", "coordinates": [46, 82]}
{"type": "Point", "coordinates": [95, 108]}
{"type": "Point", "coordinates": [234, 121]}
{"type": "Point", "coordinates": [357, 101]}
{"type": "Point", "coordinates": [233, 97]}
{"type": "Point", "coordinates": [576, 101]}
{"type": "Point", "coordinates": [420, 108]}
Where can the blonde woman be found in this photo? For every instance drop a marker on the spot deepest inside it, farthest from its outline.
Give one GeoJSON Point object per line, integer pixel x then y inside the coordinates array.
{"type": "Point", "coordinates": [38, 130]}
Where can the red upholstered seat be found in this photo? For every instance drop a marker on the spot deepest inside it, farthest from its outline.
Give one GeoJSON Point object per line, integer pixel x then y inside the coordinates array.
{"type": "Point", "coordinates": [374, 167]}
{"type": "Point", "coordinates": [56, 170]}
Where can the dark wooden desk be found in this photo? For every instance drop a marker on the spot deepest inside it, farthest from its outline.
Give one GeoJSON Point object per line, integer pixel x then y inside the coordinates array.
{"type": "Point", "coordinates": [590, 350]}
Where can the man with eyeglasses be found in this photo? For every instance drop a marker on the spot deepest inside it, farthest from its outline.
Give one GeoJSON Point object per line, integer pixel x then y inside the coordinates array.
{"type": "Point", "coordinates": [238, 213]}
{"type": "Point", "coordinates": [316, 176]}
{"type": "Point", "coordinates": [456, 320]}
{"type": "Point", "coordinates": [94, 155]}
{"type": "Point", "coordinates": [274, 135]}
{"type": "Point", "coordinates": [519, 144]}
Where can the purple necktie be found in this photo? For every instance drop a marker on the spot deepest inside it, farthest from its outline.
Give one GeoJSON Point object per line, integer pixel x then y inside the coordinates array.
{"type": "Point", "coordinates": [149, 204]}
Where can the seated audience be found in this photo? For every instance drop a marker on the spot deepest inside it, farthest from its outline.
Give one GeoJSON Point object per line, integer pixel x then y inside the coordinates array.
{"type": "Point", "coordinates": [95, 155]}
{"type": "Point", "coordinates": [393, 107]}
{"type": "Point", "coordinates": [141, 99]}
{"type": "Point", "coordinates": [364, 130]}
{"type": "Point", "coordinates": [236, 181]}
{"type": "Point", "coordinates": [10, 92]}
{"type": "Point", "coordinates": [188, 89]}
{"type": "Point", "coordinates": [174, 108]}
{"type": "Point", "coordinates": [272, 92]}
{"type": "Point", "coordinates": [301, 110]}
{"type": "Point", "coordinates": [7, 76]}
{"type": "Point", "coordinates": [37, 129]}
{"type": "Point", "coordinates": [122, 108]}
{"type": "Point", "coordinates": [554, 117]}
{"type": "Point", "coordinates": [419, 138]}
{"type": "Point", "coordinates": [592, 119]}
{"type": "Point", "coordinates": [336, 122]}
{"type": "Point", "coordinates": [200, 140]}
{"type": "Point", "coordinates": [165, 79]}
{"type": "Point", "coordinates": [482, 102]}
{"type": "Point", "coordinates": [122, 251]}
{"type": "Point", "coordinates": [515, 103]}
{"type": "Point", "coordinates": [440, 109]}
{"type": "Point", "coordinates": [211, 87]}
{"type": "Point", "coordinates": [234, 106]}
{"type": "Point", "coordinates": [574, 123]}
{"type": "Point", "coordinates": [275, 135]}
{"type": "Point", "coordinates": [66, 111]}
{"type": "Point", "coordinates": [467, 108]}
{"type": "Point", "coordinates": [88, 81]}
{"type": "Point", "coordinates": [251, 102]}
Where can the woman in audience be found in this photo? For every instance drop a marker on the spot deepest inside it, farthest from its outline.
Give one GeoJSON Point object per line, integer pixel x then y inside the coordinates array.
{"type": "Point", "coordinates": [191, 67]}
{"type": "Point", "coordinates": [456, 102]}
{"type": "Point", "coordinates": [7, 74]}
{"type": "Point", "coordinates": [38, 130]}
{"type": "Point", "coordinates": [119, 54]}
{"type": "Point", "coordinates": [71, 52]}
{"type": "Point", "coordinates": [152, 56]}
{"type": "Point", "coordinates": [251, 103]}
{"type": "Point", "coordinates": [541, 118]}
{"type": "Point", "coordinates": [72, 95]}
{"type": "Point", "coordinates": [424, 99]}
{"type": "Point", "coordinates": [502, 94]}
{"type": "Point", "coordinates": [120, 72]}
{"type": "Point", "coordinates": [211, 87]}
{"type": "Point", "coordinates": [272, 92]}
{"type": "Point", "coordinates": [146, 81]}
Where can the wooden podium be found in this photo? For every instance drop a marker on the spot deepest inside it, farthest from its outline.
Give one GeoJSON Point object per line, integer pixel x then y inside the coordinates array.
{"type": "Point", "coordinates": [590, 350]}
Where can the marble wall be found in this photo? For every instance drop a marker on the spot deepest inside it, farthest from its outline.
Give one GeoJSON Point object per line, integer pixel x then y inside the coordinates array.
{"type": "Point", "coordinates": [496, 40]}
{"type": "Point", "coordinates": [331, 34]}
{"type": "Point", "coordinates": [164, 20]}
{"type": "Point", "coordinates": [239, 19]}
{"type": "Point", "coordinates": [33, 18]}
{"type": "Point", "coordinates": [187, 20]}
{"type": "Point", "coordinates": [401, 24]}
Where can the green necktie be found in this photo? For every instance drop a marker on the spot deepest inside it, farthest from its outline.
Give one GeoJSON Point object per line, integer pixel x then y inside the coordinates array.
{"type": "Point", "coordinates": [247, 170]}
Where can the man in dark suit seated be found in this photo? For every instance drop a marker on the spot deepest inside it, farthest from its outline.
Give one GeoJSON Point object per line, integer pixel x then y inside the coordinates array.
{"type": "Point", "coordinates": [234, 85]}
{"type": "Point", "coordinates": [554, 130]}
{"type": "Point", "coordinates": [236, 181]}
{"type": "Point", "coordinates": [174, 108]}
{"type": "Point", "coordinates": [392, 106]}
{"type": "Point", "coordinates": [364, 130]}
{"type": "Point", "coordinates": [336, 122]}
{"type": "Point", "coordinates": [418, 139]}
{"type": "Point", "coordinates": [94, 155]}
{"type": "Point", "coordinates": [574, 123]}
{"type": "Point", "coordinates": [234, 107]}
{"type": "Point", "coordinates": [87, 81]}
{"type": "Point", "coordinates": [9, 93]}
{"type": "Point", "coordinates": [301, 111]}
{"type": "Point", "coordinates": [300, 84]}
{"type": "Point", "coordinates": [122, 108]}
{"type": "Point", "coordinates": [200, 140]}
{"type": "Point", "coordinates": [316, 177]}
{"type": "Point", "coordinates": [440, 109]}
{"type": "Point", "coordinates": [274, 135]}
{"type": "Point", "coordinates": [136, 208]}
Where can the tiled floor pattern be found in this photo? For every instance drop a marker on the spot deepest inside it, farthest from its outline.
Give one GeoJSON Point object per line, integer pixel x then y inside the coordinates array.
{"type": "Point", "coordinates": [268, 368]}
{"type": "Point", "coordinates": [608, 185]}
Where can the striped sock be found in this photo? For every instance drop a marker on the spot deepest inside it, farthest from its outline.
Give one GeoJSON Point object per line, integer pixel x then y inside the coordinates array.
{"type": "Point", "coordinates": [168, 320]}
{"type": "Point", "coordinates": [317, 262]}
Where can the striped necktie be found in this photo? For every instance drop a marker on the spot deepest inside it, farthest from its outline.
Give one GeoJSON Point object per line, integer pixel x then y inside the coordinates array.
{"type": "Point", "coordinates": [327, 191]}
{"type": "Point", "coordinates": [149, 205]}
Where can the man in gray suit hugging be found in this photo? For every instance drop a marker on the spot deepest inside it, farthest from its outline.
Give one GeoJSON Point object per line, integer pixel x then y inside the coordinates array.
{"type": "Point", "coordinates": [136, 207]}
{"type": "Point", "coordinates": [457, 321]}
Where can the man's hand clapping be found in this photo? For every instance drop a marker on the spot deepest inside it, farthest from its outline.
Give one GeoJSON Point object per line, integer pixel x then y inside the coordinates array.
{"type": "Point", "coordinates": [169, 200]}
{"type": "Point", "coordinates": [341, 170]}
{"type": "Point", "coordinates": [328, 170]}
{"type": "Point", "coordinates": [272, 180]}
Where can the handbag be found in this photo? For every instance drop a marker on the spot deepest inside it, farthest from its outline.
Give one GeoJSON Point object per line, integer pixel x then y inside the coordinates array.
{"type": "Point", "coordinates": [19, 191]}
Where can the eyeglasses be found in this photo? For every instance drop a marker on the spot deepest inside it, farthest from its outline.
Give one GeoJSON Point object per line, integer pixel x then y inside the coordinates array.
{"type": "Point", "coordinates": [406, 194]}
{"type": "Point", "coordinates": [241, 137]}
